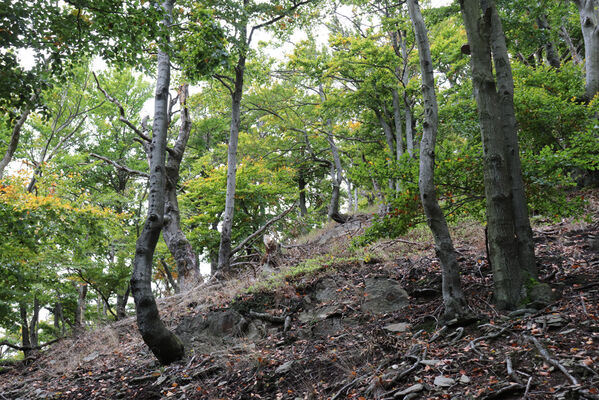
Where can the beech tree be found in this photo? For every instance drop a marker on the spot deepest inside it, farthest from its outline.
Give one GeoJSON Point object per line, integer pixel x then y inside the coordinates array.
{"type": "Point", "coordinates": [165, 345]}
{"type": "Point", "coordinates": [589, 22]}
{"type": "Point", "coordinates": [453, 296]}
{"type": "Point", "coordinates": [511, 249]}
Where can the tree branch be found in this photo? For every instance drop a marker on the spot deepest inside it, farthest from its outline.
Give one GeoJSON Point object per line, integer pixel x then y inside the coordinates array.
{"type": "Point", "coordinates": [23, 348]}
{"type": "Point", "coordinates": [262, 229]}
{"type": "Point", "coordinates": [119, 166]}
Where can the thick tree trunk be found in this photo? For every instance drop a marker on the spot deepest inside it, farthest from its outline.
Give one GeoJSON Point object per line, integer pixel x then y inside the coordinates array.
{"type": "Point", "coordinates": [453, 297]}
{"type": "Point", "coordinates": [509, 235]}
{"type": "Point", "coordinates": [589, 22]}
{"type": "Point", "coordinates": [301, 183]}
{"type": "Point", "coordinates": [165, 345]}
{"type": "Point", "coordinates": [121, 304]}
{"type": "Point", "coordinates": [34, 323]}
{"type": "Point", "coordinates": [25, 337]}
{"type": "Point", "coordinates": [224, 251]}
{"type": "Point", "coordinates": [336, 171]}
{"type": "Point", "coordinates": [550, 47]}
{"type": "Point", "coordinates": [188, 270]}
{"type": "Point", "coordinates": [80, 310]}
{"type": "Point", "coordinates": [59, 325]}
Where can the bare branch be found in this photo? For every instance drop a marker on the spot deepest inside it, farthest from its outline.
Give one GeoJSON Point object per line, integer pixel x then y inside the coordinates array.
{"type": "Point", "coordinates": [122, 117]}
{"type": "Point", "coordinates": [119, 166]}
{"type": "Point", "coordinates": [262, 229]}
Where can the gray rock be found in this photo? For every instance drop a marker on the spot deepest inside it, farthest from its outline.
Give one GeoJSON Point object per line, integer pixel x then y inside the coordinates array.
{"type": "Point", "coordinates": [412, 389]}
{"type": "Point", "coordinates": [399, 327]}
{"type": "Point", "coordinates": [432, 363]}
{"type": "Point", "coordinates": [284, 368]}
{"type": "Point", "coordinates": [464, 379]}
{"type": "Point", "coordinates": [541, 295]}
{"type": "Point", "coordinates": [383, 295]}
{"type": "Point", "coordinates": [443, 381]}
{"type": "Point", "coordinates": [90, 357]}
{"type": "Point", "coordinates": [325, 290]}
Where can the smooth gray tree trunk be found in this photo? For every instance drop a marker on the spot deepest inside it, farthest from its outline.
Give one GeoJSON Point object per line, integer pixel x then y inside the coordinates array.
{"type": "Point", "coordinates": [224, 251]}
{"type": "Point", "coordinates": [511, 251]}
{"type": "Point", "coordinates": [165, 345]}
{"type": "Point", "coordinates": [453, 296]}
{"type": "Point", "coordinates": [188, 270]}
{"type": "Point", "coordinates": [589, 22]}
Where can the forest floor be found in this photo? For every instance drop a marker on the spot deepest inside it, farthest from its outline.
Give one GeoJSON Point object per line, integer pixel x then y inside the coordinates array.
{"type": "Point", "coordinates": [330, 324]}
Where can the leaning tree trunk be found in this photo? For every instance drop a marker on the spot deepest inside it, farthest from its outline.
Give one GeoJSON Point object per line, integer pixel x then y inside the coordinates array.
{"type": "Point", "coordinates": [511, 253]}
{"type": "Point", "coordinates": [589, 22]}
{"type": "Point", "coordinates": [188, 270]}
{"type": "Point", "coordinates": [224, 251]}
{"type": "Point", "coordinates": [165, 345]}
{"type": "Point", "coordinates": [453, 297]}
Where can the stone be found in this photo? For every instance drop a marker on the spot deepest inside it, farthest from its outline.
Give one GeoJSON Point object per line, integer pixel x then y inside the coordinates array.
{"type": "Point", "coordinates": [382, 295]}
{"type": "Point", "coordinates": [284, 368]}
{"type": "Point", "coordinates": [90, 357]}
{"type": "Point", "coordinates": [432, 363]}
{"type": "Point", "coordinates": [464, 379]}
{"type": "Point", "coordinates": [541, 295]}
{"type": "Point", "coordinates": [412, 389]}
{"type": "Point", "coordinates": [443, 381]}
{"type": "Point", "coordinates": [399, 327]}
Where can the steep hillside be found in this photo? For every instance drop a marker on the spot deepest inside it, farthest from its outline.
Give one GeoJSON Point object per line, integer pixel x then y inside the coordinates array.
{"type": "Point", "coordinates": [332, 324]}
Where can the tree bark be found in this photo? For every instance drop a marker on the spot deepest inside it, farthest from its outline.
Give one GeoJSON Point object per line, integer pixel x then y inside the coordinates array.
{"type": "Point", "coordinates": [188, 269]}
{"type": "Point", "coordinates": [510, 238]}
{"type": "Point", "coordinates": [336, 171]}
{"type": "Point", "coordinates": [16, 135]}
{"type": "Point", "coordinates": [121, 304]}
{"type": "Point", "coordinates": [80, 310]}
{"type": "Point", "coordinates": [550, 47]}
{"type": "Point", "coordinates": [25, 338]}
{"type": "Point", "coordinates": [301, 182]}
{"type": "Point", "coordinates": [453, 296]}
{"type": "Point", "coordinates": [34, 323]}
{"type": "Point", "coordinates": [169, 276]}
{"type": "Point", "coordinates": [409, 128]}
{"type": "Point", "coordinates": [224, 251]}
{"type": "Point", "coordinates": [589, 22]}
{"type": "Point", "coordinates": [165, 345]}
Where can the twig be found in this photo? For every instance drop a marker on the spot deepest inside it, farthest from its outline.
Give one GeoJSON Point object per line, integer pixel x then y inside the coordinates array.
{"type": "Point", "coordinates": [510, 370]}
{"type": "Point", "coordinates": [550, 360]}
{"type": "Point", "coordinates": [499, 394]}
{"type": "Point", "coordinates": [438, 334]}
{"type": "Point", "coordinates": [527, 388]}
{"type": "Point", "coordinates": [584, 307]}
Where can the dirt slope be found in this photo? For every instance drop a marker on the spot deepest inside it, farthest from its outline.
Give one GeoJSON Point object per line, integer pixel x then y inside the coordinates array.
{"type": "Point", "coordinates": [353, 327]}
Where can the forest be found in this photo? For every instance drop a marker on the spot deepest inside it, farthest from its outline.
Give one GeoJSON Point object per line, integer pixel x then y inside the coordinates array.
{"type": "Point", "coordinates": [188, 174]}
